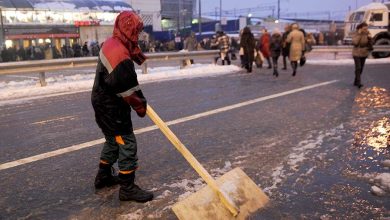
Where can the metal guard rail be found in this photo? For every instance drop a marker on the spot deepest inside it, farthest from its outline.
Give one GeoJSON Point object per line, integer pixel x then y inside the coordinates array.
{"type": "Point", "coordinates": [60, 64]}
{"type": "Point", "coordinates": [42, 66]}
{"type": "Point", "coordinates": [377, 48]}
{"type": "Point", "coordinates": [343, 49]}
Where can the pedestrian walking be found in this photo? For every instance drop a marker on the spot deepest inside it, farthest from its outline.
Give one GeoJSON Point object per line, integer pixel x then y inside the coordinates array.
{"type": "Point", "coordinates": [115, 90]}
{"type": "Point", "coordinates": [296, 39]}
{"type": "Point", "coordinates": [224, 46]}
{"type": "Point", "coordinates": [248, 43]}
{"type": "Point", "coordinates": [265, 45]}
{"type": "Point", "coordinates": [362, 46]}
{"type": "Point", "coordinates": [276, 49]}
{"type": "Point", "coordinates": [286, 46]}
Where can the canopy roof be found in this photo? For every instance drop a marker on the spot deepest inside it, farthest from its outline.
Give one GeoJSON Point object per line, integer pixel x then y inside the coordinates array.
{"type": "Point", "coordinates": [67, 5]}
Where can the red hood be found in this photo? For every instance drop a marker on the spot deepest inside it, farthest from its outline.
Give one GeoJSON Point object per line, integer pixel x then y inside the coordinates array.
{"type": "Point", "coordinates": [127, 27]}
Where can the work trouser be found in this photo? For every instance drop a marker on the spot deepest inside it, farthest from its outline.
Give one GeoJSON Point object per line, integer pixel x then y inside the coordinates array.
{"type": "Point", "coordinates": [121, 148]}
{"type": "Point", "coordinates": [359, 66]}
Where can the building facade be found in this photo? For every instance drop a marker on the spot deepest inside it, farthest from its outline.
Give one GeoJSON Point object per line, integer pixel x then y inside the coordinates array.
{"type": "Point", "coordinates": [177, 14]}
{"type": "Point", "coordinates": [150, 11]}
{"type": "Point", "coordinates": [26, 23]}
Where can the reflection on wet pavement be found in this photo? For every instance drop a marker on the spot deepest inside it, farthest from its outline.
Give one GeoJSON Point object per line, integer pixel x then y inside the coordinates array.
{"type": "Point", "coordinates": [372, 98]}
{"type": "Point", "coordinates": [338, 167]}
{"type": "Point", "coordinates": [372, 123]}
{"type": "Point", "coordinates": [378, 137]}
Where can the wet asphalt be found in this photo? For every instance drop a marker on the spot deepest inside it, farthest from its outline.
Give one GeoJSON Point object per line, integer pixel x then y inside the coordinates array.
{"type": "Point", "coordinates": [321, 141]}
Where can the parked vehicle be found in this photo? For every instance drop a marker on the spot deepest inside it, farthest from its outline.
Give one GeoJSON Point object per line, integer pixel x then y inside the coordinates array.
{"type": "Point", "coordinates": [377, 16]}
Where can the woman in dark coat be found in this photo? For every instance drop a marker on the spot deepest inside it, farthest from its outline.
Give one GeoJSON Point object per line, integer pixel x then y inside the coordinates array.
{"type": "Point", "coordinates": [248, 43]}
{"type": "Point", "coordinates": [362, 45]}
{"type": "Point", "coordinates": [276, 49]}
{"type": "Point", "coordinates": [286, 46]}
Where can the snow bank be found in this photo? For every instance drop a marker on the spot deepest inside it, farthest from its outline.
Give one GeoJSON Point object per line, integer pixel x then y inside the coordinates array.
{"type": "Point", "coordinates": [21, 91]}
{"type": "Point", "coordinates": [340, 62]}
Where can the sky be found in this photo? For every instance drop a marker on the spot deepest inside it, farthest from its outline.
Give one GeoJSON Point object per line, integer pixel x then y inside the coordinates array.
{"type": "Point", "coordinates": [286, 6]}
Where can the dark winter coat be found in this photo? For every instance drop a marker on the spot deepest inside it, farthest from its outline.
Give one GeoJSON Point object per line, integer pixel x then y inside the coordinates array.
{"type": "Point", "coordinates": [248, 43]}
{"type": "Point", "coordinates": [115, 78]}
{"type": "Point", "coordinates": [361, 43]}
{"type": "Point", "coordinates": [276, 45]}
{"type": "Point", "coordinates": [286, 46]}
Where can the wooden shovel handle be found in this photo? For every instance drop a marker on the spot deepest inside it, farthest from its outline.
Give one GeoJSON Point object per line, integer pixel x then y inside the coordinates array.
{"type": "Point", "coordinates": [191, 159]}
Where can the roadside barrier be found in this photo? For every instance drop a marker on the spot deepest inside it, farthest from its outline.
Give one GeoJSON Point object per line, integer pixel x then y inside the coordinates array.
{"type": "Point", "coordinates": [42, 66]}
{"type": "Point", "coordinates": [346, 49]}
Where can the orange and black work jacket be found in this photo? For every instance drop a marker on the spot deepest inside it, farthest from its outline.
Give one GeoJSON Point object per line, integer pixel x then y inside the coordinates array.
{"type": "Point", "coordinates": [115, 78]}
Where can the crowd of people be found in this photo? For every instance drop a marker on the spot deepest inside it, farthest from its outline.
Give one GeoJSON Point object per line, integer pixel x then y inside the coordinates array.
{"type": "Point", "coordinates": [48, 51]}
{"type": "Point", "coordinates": [190, 43]}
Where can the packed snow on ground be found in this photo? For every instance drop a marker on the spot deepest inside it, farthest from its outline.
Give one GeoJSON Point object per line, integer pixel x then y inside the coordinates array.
{"type": "Point", "coordinates": [350, 61]}
{"type": "Point", "coordinates": [300, 153]}
{"type": "Point", "coordinates": [23, 90]}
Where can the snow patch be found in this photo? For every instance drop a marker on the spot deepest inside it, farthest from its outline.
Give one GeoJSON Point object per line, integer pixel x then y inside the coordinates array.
{"type": "Point", "coordinates": [300, 154]}
{"type": "Point", "coordinates": [22, 91]}
{"type": "Point", "coordinates": [219, 172]}
{"type": "Point", "coordinates": [165, 194]}
{"type": "Point", "coordinates": [277, 176]}
{"type": "Point", "coordinates": [189, 186]}
{"type": "Point", "coordinates": [137, 215]}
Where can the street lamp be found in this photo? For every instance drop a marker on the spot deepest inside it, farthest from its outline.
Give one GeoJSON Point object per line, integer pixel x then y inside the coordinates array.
{"type": "Point", "coordinates": [2, 28]}
{"type": "Point", "coordinates": [200, 17]}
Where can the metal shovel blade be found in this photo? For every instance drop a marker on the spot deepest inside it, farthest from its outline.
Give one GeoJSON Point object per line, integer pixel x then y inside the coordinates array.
{"type": "Point", "coordinates": [206, 204]}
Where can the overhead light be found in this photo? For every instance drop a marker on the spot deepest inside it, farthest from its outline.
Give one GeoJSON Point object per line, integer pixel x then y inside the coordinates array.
{"type": "Point", "coordinates": [250, 15]}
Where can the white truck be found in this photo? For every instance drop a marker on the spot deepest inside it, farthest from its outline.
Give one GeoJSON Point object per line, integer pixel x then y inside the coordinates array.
{"type": "Point", "coordinates": [377, 16]}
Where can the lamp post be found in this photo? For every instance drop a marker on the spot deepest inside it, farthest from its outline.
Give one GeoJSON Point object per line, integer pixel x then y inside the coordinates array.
{"type": "Point", "coordinates": [220, 11]}
{"type": "Point", "coordinates": [2, 28]}
{"type": "Point", "coordinates": [200, 18]}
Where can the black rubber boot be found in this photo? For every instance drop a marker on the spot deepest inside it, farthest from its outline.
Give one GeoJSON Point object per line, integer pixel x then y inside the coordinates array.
{"type": "Point", "coordinates": [294, 65]}
{"type": "Point", "coordinates": [105, 177]}
{"type": "Point", "coordinates": [129, 191]}
{"type": "Point", "coordinates": [284, 63]}
{"type": "Point", "coordinates": [249, 67]}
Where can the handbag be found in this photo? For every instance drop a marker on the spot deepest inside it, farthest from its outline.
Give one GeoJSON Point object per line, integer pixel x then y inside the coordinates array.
{"type": "Point", "coordinates": [302, 61]}
{"type": "Point", "coordinates": [259, 60]}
